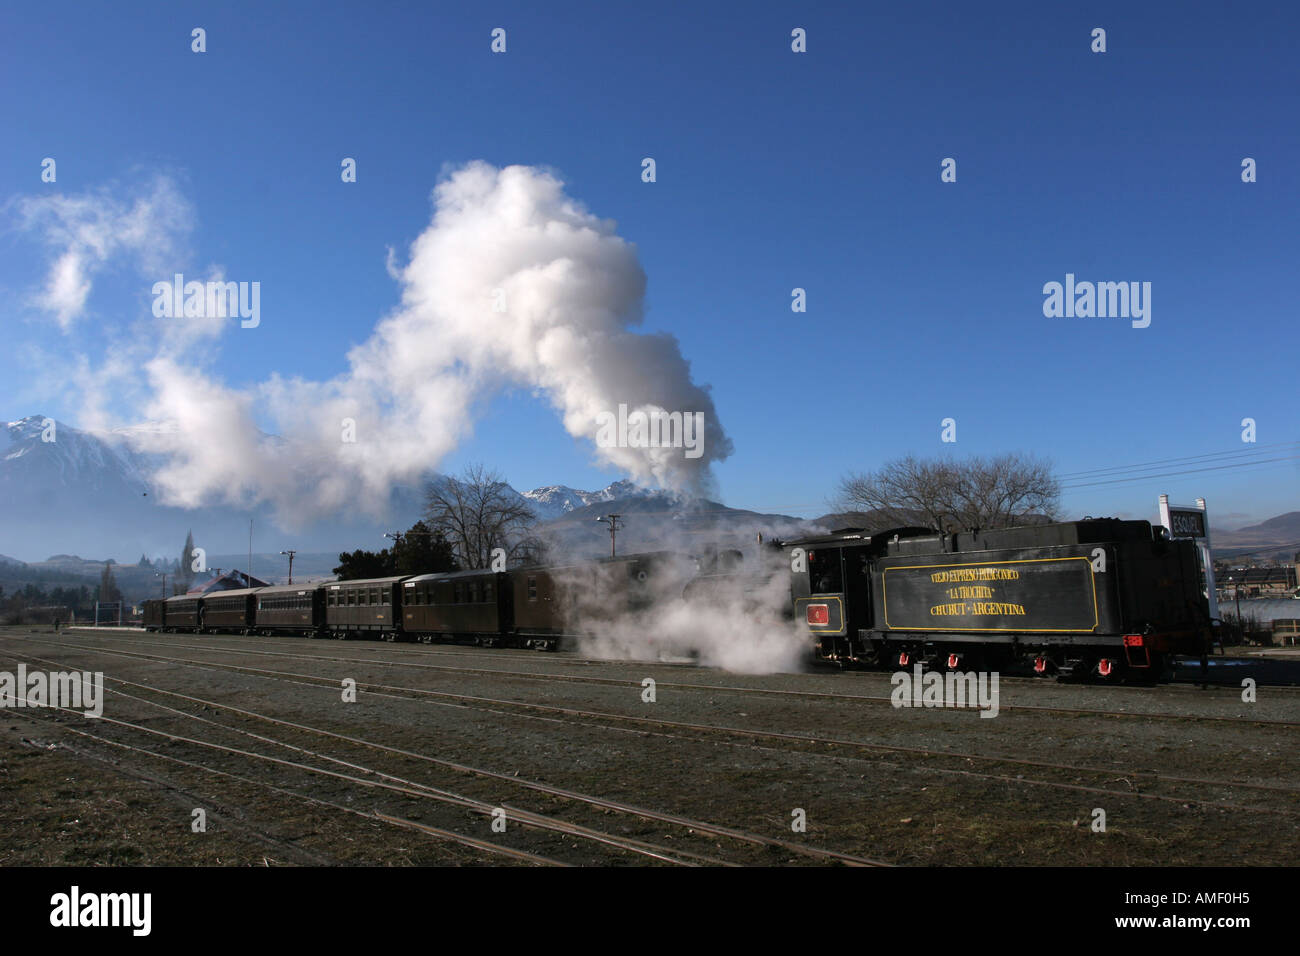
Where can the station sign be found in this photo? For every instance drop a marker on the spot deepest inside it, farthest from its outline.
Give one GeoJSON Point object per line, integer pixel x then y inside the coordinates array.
{"type": "Point", "coordinates": [1185, 523]}
{"type": "Point", "coordinates": [1192, 522]}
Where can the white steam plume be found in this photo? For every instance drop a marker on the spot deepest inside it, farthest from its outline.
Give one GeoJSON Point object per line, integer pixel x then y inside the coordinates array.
{"type": "Point", "coordinates": [572, 292]}
{"type": "Point", "coordinates": [739, 622]}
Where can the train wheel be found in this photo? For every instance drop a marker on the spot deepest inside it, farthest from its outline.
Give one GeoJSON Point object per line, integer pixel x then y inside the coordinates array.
{"type": "Point", "coordinates": [1108, 670]}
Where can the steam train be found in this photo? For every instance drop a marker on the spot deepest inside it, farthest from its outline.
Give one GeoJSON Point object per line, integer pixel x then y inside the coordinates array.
{"type": "Point", "coordinates": [1098, 598]}
{"type": "Point", "coordinates": [532, 607]}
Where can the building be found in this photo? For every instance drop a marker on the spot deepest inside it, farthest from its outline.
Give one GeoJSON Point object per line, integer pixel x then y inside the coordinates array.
{"type": "Point", "coordinates": [230, 581]}
{"type": "Point", "coordinates": [1286, 630]}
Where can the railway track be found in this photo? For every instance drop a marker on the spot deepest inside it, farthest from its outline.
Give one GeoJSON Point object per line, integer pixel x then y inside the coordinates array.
{"type": "Point", "coordinates": [424, 651]}
{"type": "Point", "coordinates": [381, 779]}
{"type": "Point", "coordinates": [446, 836]}
{"type": "Point", "coordinates": [811, 745]}
{"type": "Point", "coordinates": [712, 688]}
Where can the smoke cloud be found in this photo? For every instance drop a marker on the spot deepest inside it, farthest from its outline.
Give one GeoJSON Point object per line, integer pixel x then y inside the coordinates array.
{"type": "Point", "coordinates": [739, 621]}
{"type": "Point", "coordinates": [88, 230]}
{"type": "Point", "coordinates": [513, 283]}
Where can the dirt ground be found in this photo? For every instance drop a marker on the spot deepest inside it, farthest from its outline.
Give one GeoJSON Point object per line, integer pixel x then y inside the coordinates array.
{"type": "Point", "coordinates": [1184, 776]}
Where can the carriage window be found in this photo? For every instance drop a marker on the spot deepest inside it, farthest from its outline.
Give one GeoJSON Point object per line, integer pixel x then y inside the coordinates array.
{"type": "Point", "coordinates": [385, 596]}
{"type": "Point", "coordinates": [459, 594]}
{"type": "Point", "coordinates": [487, 591]}
{"type": "Point", "coordinates": [475, 591]}
{"type": "Point", "coordinates": [532, 588]}
{"type": "Point", "coordinates": [352, 598]}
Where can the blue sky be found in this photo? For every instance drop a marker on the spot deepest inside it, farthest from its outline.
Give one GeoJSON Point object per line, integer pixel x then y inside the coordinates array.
{"type": "Point", "coordinates": [775, 170]}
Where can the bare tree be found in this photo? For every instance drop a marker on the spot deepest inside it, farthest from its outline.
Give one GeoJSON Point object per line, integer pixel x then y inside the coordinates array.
{"type": "Point", "coordinates": [477, 513]}
{"type": "Point", "coordinates": [954, 495]}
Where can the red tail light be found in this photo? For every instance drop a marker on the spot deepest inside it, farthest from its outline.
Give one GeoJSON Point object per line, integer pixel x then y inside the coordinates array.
{"type": "Point", "coordinates": [819, 614]}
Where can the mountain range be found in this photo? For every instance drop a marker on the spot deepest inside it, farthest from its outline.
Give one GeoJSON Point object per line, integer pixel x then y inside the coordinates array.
{"type": "Point", "coordinates": [91, 494]}
{"type": "Point", "coordinates": [1280, 533]}
{"type": "Point", "coordinates": [68, 491]}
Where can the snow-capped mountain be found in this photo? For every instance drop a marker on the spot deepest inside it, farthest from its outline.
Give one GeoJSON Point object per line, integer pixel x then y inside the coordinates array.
{"type": "Point", "coordinates": [68, 490]}
{"type": "Point", "coordinates": [65, 489]}
{"type": "Point", "coordinates": [555, 501]}
{"type": "Point", "coordinates": [41, 456]}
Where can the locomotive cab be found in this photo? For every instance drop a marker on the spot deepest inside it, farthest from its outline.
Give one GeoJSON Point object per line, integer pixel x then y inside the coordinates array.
{"type": "Point", "coordinates": [831, 590]}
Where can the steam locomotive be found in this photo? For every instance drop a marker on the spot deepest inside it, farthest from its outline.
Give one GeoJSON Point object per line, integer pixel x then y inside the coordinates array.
{"type": "Point", "coordinates": [1098, 598]}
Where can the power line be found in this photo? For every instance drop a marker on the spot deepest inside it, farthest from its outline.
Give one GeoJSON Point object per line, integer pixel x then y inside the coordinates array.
{"type": "Point", "coordinates": [1142, 466]}
{"type": "Point", "coordinates": [1267, 548]}
{"type": "Point", "coordinates": [1174, 474]}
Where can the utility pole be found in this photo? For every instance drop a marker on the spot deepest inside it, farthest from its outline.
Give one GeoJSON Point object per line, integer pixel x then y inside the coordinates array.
{"type": "Point", "coordinates": [613, 531]}
{"type": "Point", "coordinates": [290, 554]}
{"type": "Point", "coordinates": [398, 537]}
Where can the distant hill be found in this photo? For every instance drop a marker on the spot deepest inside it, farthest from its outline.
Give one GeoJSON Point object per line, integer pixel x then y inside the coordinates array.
{"type": "Point", "coordinates": [658, 521]}
{"type": "Point", "coordinates": [1281, 532]}
{"type": "Point", "coordinates": [87, 493]}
